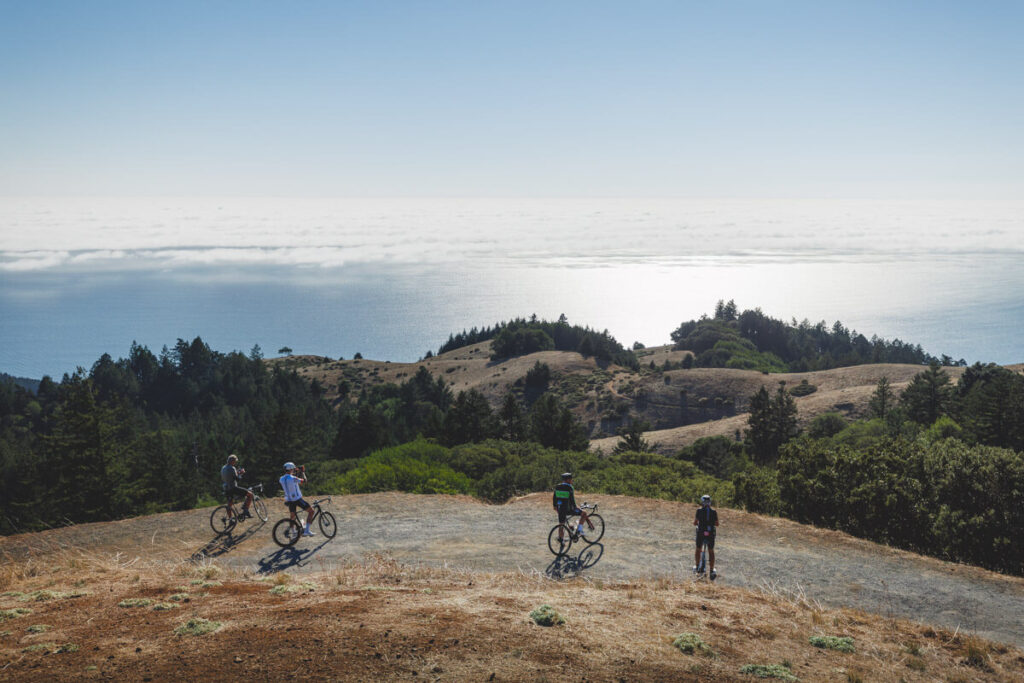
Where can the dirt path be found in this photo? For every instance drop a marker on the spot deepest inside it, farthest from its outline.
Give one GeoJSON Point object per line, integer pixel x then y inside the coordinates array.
{"type": "Point", "coordinates": [644, 539]}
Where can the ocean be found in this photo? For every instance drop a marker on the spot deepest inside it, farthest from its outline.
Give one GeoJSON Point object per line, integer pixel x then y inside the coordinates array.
{"type": "Point", "coordinates": [392, 278]}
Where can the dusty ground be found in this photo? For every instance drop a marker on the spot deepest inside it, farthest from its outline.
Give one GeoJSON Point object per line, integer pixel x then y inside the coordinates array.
{"type": "Point", "coordinates": [645, 540]}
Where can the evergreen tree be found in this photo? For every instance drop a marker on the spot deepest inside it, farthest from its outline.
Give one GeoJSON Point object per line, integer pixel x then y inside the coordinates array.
{"type": "Point", "coordinates": [772, 423]}
{"type": "Point", "coordinates": [632, 438]}
{"type": "Point", "coordinates": [928, 395]}
{"type": "Point", "coordinates": [882, 399]}
{"type": "Point", "coordinates": [514, 425]}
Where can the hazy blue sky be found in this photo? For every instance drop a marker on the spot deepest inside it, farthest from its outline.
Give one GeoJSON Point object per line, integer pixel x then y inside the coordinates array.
{"type": "Point", "coordinates": [728, 98]}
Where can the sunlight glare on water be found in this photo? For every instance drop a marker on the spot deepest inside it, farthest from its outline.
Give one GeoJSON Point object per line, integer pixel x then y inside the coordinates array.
{"type": "Point", "coordinates": [81, 277]}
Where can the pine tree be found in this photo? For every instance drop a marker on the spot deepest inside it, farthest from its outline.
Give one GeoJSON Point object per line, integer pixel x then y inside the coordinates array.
{"type": "Point", "coordinates": [883, 398]}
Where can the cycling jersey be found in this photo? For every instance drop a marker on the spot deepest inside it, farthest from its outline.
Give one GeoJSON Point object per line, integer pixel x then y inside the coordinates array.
{"type": "Point", "coordinates": [707, 519]}
{"type": "Point", "coordinates": [564, 501]}
{"type": "Point", "coordinates": [290, 484]}
{"type": "Point", "coordinates": [229, 477]}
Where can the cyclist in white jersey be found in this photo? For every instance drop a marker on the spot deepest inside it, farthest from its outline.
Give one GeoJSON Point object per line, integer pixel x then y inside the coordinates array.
{"type": "Point", "coordinates": [293, 495]}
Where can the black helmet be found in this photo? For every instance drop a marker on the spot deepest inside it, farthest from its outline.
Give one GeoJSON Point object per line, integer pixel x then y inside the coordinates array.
{"type": "Point", "coordinates": [705, 499]}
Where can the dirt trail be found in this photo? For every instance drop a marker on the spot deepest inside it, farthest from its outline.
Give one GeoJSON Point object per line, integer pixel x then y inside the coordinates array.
{"type": "Point", "coordinates": [644, 539]}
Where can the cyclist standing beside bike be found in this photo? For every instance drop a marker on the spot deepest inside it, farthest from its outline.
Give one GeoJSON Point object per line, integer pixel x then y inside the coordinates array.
{"type": "Point", "coordinates": [564, 502]}
{"type": "Point", "coordinates": [706, 521]}
{"type": "Point", "coordinates": [293, 494]}
{"type": "Point", "coordinates": [230, 475]}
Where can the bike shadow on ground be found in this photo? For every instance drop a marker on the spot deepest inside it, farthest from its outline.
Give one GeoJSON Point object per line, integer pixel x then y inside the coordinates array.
{"type": "Point", "coordinates": [221, 545]}
{"type": "Point", "coordinates": [566, 566]}
{"type": "Point", "coordinates": [286, 558]}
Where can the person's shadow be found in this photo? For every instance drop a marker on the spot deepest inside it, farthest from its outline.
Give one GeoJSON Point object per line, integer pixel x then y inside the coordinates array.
{"type": "Point", "coordinates": [221, 545]}
{"type": "Point", "coordinates": [566, 566]}
{"type": "Point", "coordinates": [286, 558]}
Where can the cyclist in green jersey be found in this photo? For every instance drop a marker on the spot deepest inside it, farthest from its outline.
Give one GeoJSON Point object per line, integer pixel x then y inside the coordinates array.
{"type": "Point", "coordinates": [564, 502]}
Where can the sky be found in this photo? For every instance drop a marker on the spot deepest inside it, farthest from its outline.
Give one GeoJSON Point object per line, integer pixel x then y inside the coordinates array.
{"type": "Point", "coordinates": [759, 99]}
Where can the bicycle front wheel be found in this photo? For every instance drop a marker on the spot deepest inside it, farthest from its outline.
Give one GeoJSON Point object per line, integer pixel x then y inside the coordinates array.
{"type": "Point", "coordinates": [261, 509]}
{"type": "Point", "coordinates": [559, 546]}
{"type": "Point", "coordinates": [328, 525]}
{"type": "Point", "coordinates": [595, 535]}
{"type": "Point", "coordinates": [286, 532]}
{"type": "Point", "coordinates": [222, 520]}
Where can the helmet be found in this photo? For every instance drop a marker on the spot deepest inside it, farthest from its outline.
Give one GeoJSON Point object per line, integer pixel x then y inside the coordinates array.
{"type": "Point", "coordinates": [567, 475]}
{"type": "Point", "coordinates": [289, 466]}
{"type": "Point", "coordinates": [232, 457]}
{"type": "Point", "coordinates": [705, 500]}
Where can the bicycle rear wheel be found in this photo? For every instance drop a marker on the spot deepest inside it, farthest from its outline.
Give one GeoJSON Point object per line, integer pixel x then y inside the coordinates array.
{"type": "Point", "coordinates": [222, 520]}
{"type": "Point", "coordinates": [559, 546]}
{"type": "Point", "coordinates": [598, 532]}
{"type": "Point", "coordinates": [286, 532]}
{"type": "Point", "coordinates": [328, 525]}
{"type": "Point", "coordinates": [261, 508]}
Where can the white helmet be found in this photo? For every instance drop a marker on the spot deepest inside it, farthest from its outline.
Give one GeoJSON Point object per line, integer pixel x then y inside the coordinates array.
{"type": "Point", "coordinates": [289, 466]}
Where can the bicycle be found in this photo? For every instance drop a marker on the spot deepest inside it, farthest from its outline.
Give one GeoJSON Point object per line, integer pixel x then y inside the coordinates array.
{"type": "Point", "coordinates": [224, 517]}
{"type": "Point", "coordinates": [560, 544]}
{"type": "Point", "coordinates": [287, 531]}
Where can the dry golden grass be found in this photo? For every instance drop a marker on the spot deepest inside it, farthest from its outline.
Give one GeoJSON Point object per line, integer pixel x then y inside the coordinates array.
{"type": "Point", "coordinates": [380, 619]}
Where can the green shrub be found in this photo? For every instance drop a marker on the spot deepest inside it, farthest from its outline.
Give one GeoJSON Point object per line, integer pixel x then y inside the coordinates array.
{"type": "Point", "coordinates": [803, 389]}
{"type": "Point", "coordinates": [135, 602]}
{"type": "Point", "coordinates": [840, 643]}
{"type": "Point", "coordinates": [197, 627]}
{"type": "Point", "coordinates": [164, 606]}
{"type": "Point", "coordinates": [769, 671]}
{"type": "Point", "coordinates": [826, 425]}
{"type": "Point", "coordinates": [691, 644]}
{"type": "Point", "coordinates": [546, 615]}
{"type": "Point", "coordinates": [6, 614]}
{"type": "Point", "coordinates": [38, 628]}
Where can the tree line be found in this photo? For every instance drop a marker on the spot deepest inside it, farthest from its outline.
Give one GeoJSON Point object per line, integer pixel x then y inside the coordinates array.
{"type": "Point", "coordinates": [521, 336]}
{"type": "Point", "coordinates": [149, 433]}
{"type": "Point", "coordinates": [751, 340]}
{"type": "Point", "coordinates": [938, 469]}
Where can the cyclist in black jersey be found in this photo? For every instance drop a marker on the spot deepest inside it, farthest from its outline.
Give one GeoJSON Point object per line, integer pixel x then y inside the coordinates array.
{"type": "Point", "coordinates": [230, 475]}
{"type": "Point", "coordinates": [564, 502]}
{"type": "Point", "coordinates": [706, 521]}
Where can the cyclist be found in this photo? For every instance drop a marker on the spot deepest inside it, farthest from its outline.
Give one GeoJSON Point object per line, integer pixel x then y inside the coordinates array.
{"type": "Point", "coordinates": [706, 521]}
{"type": "Point", "coordinates": [230, 475]}
{"type": "Point", "coordinates": [293, 495]}
{"type": "Point", "coordinates": [564, 502]}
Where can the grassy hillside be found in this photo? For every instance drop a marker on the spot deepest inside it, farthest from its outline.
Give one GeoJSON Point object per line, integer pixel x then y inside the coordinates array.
{"type": "Point", "coordinates": [681, 405]}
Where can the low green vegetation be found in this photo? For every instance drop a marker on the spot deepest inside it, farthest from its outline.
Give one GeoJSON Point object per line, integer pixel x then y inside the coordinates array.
{"type": "Point", "coordinates": [546, 615]}
{"type": "Point", "coordinates": [164, 606]}
{"type": "Point", "coordinates": [769, 671]}
{"type": "Point", "coordinates": [197, 627]}
{"type": "Point", "coordinates": [839, 643]}
{"type": "Point", "coordinates": [497, 470]}
{"type": "Point", "coordinates": [38, 628]}
{"type": "Point", "coordinates": [7, 614]}
{"type": "Point", "coordinates": [691, 644]}
{"type": "Point", "coordinates": [135, 602]}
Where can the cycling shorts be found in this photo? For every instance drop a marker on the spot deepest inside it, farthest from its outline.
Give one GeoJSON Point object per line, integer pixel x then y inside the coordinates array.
{"type": "Point", "coordinates": [235, 492]}
{"type": "Point", "coordinates": [564, 513]}
{"type": "Point", "coordinates": [710, 539]}
{"type": "Point", "coordinates": [300, 503]}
